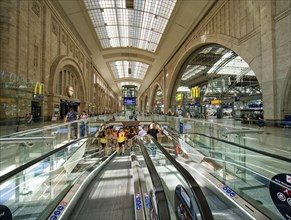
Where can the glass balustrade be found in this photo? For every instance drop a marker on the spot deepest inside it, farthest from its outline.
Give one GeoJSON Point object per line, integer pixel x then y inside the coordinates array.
{"type": "Point", "coordinates": [19, 148]}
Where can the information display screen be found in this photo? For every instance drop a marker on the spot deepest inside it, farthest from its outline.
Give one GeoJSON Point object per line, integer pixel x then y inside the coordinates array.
{"type": "Point", "coordinates": [129, 101]}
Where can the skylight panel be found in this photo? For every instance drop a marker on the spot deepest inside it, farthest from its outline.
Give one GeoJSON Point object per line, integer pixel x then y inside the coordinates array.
{"type": "Point", "coordinates": [183, 89]}
{"type": "Point", "coordinates": [222, 59]}
{"type": "Point", "coordinates": [148, 17]}
{"type": "Point", "coordinates": [120, 69]}
{"type": "Point", "coordinates": [236, 66]}
{"type": "Point", "coordinates": [192, 70]}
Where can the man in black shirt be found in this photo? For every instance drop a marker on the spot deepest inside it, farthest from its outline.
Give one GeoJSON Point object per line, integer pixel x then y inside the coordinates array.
{"type": "Point", "coordinates": [153, 131]}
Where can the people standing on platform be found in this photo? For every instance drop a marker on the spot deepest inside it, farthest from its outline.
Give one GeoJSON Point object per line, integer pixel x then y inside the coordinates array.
{"type": "Point", "coordinates": [28, 118]}
{"type": "Point", "coordinates": [153, 131]}
{"type": "Point", "coordinates": [121, 136]}
{"type": "Point", "coordinates": [249, 119]}
{"type": "Point", "coordinates": [111, 138]}
{"type": "Point", "coordinates": [102, 142]}
{"type": "Point", "coordinates": [188, 115]}
{"type": "Point", "coordinates": [131, 134]}
{"type": "Point", "coordinates": [142, 132]}
{"type": "Point", "coordinates": [72, 116]}
{"type": "Point", "coordinates": [83, 118]}
{"type": "Point", "coordinates": [261, 122]}
{"type": "Point", "coordinates": [114, 135]}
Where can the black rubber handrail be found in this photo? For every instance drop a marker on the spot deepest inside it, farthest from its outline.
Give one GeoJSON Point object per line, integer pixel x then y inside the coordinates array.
{"type": "Point", "coordinates": [162, 203]}
{"type": "Point", "coordinates": [239, 145]}
{"type": "Point", "coordinates": [199, 197]}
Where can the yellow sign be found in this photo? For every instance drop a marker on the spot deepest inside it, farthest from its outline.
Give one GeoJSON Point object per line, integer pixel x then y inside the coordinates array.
{"type": "Point", "coordinates": [195, 93]}
{"type": "Point", "coordinates": [179, 97]}
{"type": "Point", "coordinates": [38, 88]}
{"type": "Point", "coordinates": [215, 102]}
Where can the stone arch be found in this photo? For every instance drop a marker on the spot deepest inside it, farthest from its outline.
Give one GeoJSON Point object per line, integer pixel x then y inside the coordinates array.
{"type": "Point", "coordinates": [154, 91]}
{"type": "Point", "coordinates": [58, 65]}
{"type": "Point", "coordinates": [231, 43]}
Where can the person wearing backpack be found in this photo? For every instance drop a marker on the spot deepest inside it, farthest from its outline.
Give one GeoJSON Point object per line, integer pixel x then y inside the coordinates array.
{"type": "Point", "coordinates": [72, 116]}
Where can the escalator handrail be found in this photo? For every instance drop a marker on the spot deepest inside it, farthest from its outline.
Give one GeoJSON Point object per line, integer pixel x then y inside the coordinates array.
{"type": "Point", "coordinates": [163, 208]}
{"type": "Point", "coordinates": [202, 204]}
{"type": "Point", "coordinates": [46, 127]}
{"type": "Point", "coordinates": [35, 161]}
{"type": "Point", "coordinates": [26, 138]}
{"type": "Point", "coordinates": [241, 146]}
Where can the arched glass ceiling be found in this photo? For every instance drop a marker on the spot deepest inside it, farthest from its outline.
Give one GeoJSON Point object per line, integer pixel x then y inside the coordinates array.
{"type": "Point", "coordinates": [130, 23]}
{"type": "Point", "coordinates": [128, 83]}
{"type": "Point", "coordinates": [120, 69]}
{"type": "Point", "coordinates": [214, 60]}
{"type": "Point", "coordinates": [235, 66]}
{"type": "Point", "coordinates": [218, 73]}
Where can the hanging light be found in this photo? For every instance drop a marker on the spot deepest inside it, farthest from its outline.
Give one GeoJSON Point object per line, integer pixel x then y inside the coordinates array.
{"type": "Point", "coordinates": [129, 70]}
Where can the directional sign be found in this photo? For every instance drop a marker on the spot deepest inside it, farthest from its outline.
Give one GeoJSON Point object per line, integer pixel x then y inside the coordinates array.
{"type": "Point", "coordinates": [138, 202]}
{"type": "Point", "coordinates": [147, 201]}
{"type": "Point", "coordinates": [5, 213]}
{"type": "Point", "coordinates": [280, 191]}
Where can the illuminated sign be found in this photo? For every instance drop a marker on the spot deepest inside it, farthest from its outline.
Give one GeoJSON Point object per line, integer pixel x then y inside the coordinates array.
{"type": "Point", "coordinates": [195, 92]}
{"type": "Point", "coordinates": [215, 102]}
{"type": "Point", "coordinates": [179, 97]}
{"type": "Point", "coordinates": [129, 101]}
{"type": "Point", "coordinates": [38, 90]}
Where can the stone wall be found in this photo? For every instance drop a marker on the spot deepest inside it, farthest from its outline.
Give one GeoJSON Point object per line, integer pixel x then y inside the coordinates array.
{"type": "Point", "coordinates": [36, 43]}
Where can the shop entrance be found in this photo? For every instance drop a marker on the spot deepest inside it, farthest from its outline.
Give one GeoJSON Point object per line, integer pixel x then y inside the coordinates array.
{"type": "Point", "coordinates": [36, 111]}
{"type": "Point", "coordinates": [65, 106]}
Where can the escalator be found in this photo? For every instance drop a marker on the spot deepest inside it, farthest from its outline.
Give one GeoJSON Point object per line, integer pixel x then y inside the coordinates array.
{"type": "Point", "coordinates": [114, 194]}
{"type": "Point", "coordinates": [221, 207]}
{"type": "Point", "coordinates": [78, 181]}
{"type": "Point", "coordinates": [110, 194]}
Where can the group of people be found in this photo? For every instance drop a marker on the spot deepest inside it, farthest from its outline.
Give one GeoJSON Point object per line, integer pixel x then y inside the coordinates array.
{"type": "Point", "coordinates": [110, 138]}
{"type": "Point", "coordinates": [73, 116]}
{"type": "Point", "coordinates": [254, 119]}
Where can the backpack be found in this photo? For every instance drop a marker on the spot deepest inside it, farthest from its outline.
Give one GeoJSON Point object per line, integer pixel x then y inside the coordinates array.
{"type": "Point", "coordinates": [72, 116]}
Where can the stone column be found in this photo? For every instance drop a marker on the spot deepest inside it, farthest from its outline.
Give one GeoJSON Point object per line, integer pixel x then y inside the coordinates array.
{"type": "Point", "coordinates": [268, 59]}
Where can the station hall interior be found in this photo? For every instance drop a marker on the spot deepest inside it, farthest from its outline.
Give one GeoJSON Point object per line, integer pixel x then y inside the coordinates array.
{"type": "Point", "coordinates": [213, 76]}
